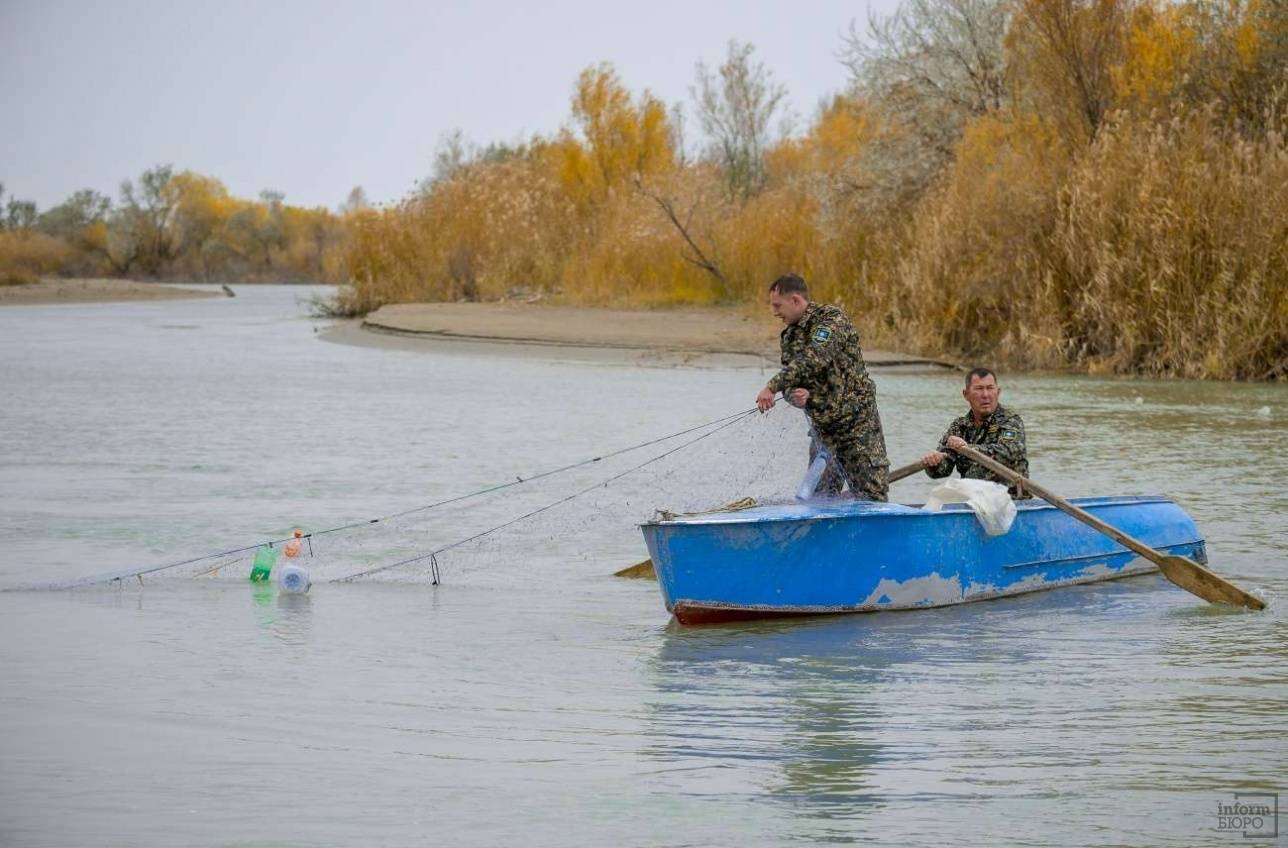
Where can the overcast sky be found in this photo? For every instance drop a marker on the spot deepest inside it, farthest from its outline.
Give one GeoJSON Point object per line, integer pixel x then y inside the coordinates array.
{"type": "Point", "coordinates": [312, 100]}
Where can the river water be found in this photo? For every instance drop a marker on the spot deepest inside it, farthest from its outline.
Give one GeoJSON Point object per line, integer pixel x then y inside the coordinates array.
{"type": "Point", "coordinates": [534, 699]}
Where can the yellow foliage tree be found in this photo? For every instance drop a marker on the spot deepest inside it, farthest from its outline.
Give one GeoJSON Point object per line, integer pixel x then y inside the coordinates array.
{"type": "Point", "coordinates": [622, 141]}
{"type": "Point", "coordinates": [1244, 66]}
{"type": "Point", "coordinates": [833, 141]}
{"type": "Point", "coordinates": [1161, 45]}
{"type": "Point", "coordinates": [202, 205]}
{"type": "Point", "coordinates": [1062, 54]}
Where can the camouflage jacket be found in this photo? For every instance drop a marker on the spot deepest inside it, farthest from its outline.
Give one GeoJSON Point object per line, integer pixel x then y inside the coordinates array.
{"type": "Point", "coordinates": [1000, 436]}
{"type": "Point", "coordinates": [821, 353]}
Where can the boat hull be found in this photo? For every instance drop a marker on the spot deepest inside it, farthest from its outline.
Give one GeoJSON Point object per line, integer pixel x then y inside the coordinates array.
{"type": "Point", "coordinates": [854, 556]}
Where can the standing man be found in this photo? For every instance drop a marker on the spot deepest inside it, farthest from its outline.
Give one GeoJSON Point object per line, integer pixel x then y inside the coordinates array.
{"type": "Point", "coordinates": [989, 428]}
{"type": "Point", "coordinates": [823, 372]}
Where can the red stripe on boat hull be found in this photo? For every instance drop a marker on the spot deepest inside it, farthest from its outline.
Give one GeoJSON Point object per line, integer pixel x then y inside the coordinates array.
{"type": "Point", "coordinates": [690, 613]}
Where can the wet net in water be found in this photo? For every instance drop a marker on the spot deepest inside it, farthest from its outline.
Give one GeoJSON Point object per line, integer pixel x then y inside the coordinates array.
{"type": "Point", "coordinates": [582, 521]}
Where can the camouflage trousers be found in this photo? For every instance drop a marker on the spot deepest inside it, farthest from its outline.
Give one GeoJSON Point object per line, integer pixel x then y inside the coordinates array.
{"type": "Point", "coordinates": [858, 457]}
{"type": "Point", "coordinates": [833, 481]}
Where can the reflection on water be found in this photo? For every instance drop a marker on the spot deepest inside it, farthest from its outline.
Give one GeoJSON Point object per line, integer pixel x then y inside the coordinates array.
{"type": "Point", "coordinates": [938, 727]}
{"type": "Point", "coordinates": [532, 698]}
{"type": "Point", "coordinates": [815, 678]}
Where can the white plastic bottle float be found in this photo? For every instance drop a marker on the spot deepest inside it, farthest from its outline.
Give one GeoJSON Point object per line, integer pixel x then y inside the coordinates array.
{"type": "Point", "coordinates": [292, 579]}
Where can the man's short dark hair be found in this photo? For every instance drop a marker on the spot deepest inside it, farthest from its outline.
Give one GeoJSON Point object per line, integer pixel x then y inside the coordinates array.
{"type": "Point", "coordinates": [789, 284]}
{"type": "Point", "coordinates": [980, 373]}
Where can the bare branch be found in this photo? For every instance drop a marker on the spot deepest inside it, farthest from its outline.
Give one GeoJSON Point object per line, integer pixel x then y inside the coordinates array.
{"type": "Point", "coordinates": [699, 259]}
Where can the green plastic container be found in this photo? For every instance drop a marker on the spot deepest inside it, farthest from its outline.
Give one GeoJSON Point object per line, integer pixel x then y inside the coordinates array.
{"type": "Point", "coordinates": [265, 559]}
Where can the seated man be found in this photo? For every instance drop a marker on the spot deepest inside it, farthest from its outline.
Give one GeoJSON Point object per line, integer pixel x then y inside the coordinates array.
{"type": "Point", "coordinates": [989, 428]}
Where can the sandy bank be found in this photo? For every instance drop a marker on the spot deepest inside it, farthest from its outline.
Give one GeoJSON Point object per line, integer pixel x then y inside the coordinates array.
{"type": "Point", "coordinates": [92, 291]}
{"type": "Point", "coordinates": [708, 337]}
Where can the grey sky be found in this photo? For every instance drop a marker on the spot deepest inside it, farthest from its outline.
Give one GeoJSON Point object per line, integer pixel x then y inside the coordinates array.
{"type": "Point", "coordinates": [313, 99]}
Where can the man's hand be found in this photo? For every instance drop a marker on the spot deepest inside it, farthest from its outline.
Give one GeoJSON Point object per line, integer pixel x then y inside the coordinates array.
{"type": "Point", "coordinates": [765, 400]}
{"type": "Point", "coordinates": [798, 397]}
{"type": "Point", "coordinates": [932, 459]}
{"type": "Point", "coordinates": [956, 442]}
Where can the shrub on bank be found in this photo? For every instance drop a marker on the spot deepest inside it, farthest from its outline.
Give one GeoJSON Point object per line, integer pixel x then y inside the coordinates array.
{"type": "Point", "coordinates": [1170, 256]}
{"type": "Point", "coordinates": [1162, 250]}
{"type": "Point", "coordinates": [26, 256]}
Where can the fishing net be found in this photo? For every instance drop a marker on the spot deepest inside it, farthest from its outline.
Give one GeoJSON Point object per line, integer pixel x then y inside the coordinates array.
{"type": "Point", "coordinates": [586, 521]}
{"type": "Point", "coordinates": [582, 520]}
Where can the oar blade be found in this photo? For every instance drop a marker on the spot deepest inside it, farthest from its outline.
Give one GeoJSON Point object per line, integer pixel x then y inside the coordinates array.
{"type": "Point", "coordinates": [638, 571]}
{"type": "Point", "coordinates": [1197, 580]}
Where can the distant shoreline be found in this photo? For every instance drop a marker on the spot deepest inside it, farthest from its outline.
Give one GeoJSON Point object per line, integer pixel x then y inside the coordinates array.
{"type": "Point", "coordinates": [93, 290]}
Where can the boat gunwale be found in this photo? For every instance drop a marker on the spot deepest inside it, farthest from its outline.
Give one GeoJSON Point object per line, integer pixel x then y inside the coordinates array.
{"type": "Point", "coordinates": [714, 518]}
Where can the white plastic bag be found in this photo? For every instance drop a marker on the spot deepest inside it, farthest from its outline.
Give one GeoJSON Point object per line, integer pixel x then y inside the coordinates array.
{"type": "Point", "coordinates": [990, 502]}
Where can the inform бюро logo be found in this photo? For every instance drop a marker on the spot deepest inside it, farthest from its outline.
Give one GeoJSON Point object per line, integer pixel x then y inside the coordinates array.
{"type": "Point", "coordinates": [1253, 814]}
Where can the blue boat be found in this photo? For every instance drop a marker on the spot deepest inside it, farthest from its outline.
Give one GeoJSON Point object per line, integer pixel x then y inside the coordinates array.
{"type": "Point", "coordinates": [857, 556]}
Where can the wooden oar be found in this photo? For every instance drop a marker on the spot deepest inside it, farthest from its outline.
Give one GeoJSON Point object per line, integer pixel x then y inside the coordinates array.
{"type": "Point", "coordinates": [644, 570]}
{"type": "Point", "coordinates": [1182, 571]}
{"type": "Point", "coordinates": [638, 571]}
{"type": "Point", "coordinates": [905, 471]}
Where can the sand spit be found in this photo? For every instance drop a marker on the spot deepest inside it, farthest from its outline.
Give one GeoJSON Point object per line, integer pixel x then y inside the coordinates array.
{"type": "Point", "coordinates": [713, 337]}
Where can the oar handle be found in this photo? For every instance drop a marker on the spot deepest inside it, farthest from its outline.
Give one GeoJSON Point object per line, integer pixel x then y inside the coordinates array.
{"type": "Point", "coordinates": [905, 471]}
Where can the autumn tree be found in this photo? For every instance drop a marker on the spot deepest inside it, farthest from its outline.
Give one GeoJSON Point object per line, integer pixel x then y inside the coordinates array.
{"type": "Point", "coordinates": [737, 106]}
{"type": "Point", "coordinates": [826, 157]}
{"type": "Point", "coordinates": [1161, 45]}
{"type": "Point", "coordinates": [356, 201]}
{"type": "Point", "coordinates": [243, 235]}
{"type": "Point", "coordinates": [271, 232]}
{"type": "Point", "coordinates": [314, 239]}
{"type": "Point", "coordinates": [141, 232]}
{"type": "Point", "coordinates": [80, 222]}
{"type": "Point", "coordinates": [83, 209]}
{"type": "Point", "coordinates": [679, 121]}
{"type": "Point", "coordinates": [20, 214]}
{"type": "Point", "coordinates": [1066, 53]}
{"type": "Point", "coordinates": [454, 154]}
{"type": "Point", "coordinates": [1243, 62]}
{"type": "Point", "coordinates": [620, 140]}
{"type": "Point", "coordinates": [202, 205]}
{"type": "Point", "coordinates": [925, 71]}
{"type": "Point", "coordinates": [947, 52]}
